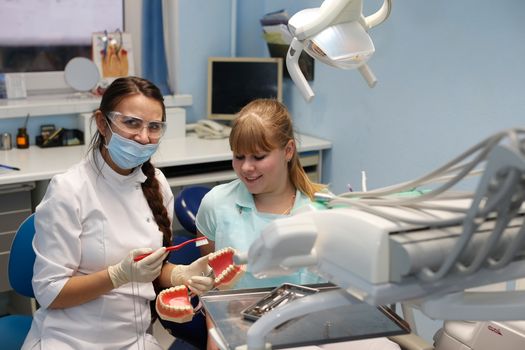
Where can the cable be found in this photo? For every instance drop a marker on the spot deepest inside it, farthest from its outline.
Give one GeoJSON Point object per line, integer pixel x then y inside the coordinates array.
{"type": "Point", "coordinates": [488, 144]}
{"type": "Point", "coordinates": [136, 296]}
{"type": "Point", "coordinates": [502, 221]}
{"type": "Point", "coordinates": [474, 218]}
{"type": "Point", "coordinates": [374, 209]}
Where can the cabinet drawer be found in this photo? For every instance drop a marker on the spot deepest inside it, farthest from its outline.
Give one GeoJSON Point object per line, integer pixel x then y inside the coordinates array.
{"type": "Point", "coordinates": [4, 280]}
{"type": "Point", "coordinates": [15, 201]}
{"type": "Point", "coordinates": [11, 221]}
{"type": "Point", "coordinates": [309, 159]}
{"type": "Point", "coordinates": [313, 176]}
{"type": "Point", "coordinates": [6, 238]}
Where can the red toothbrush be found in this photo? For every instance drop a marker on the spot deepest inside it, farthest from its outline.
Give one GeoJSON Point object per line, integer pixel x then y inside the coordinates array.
{"type": "Point", "coordinates": [200, 241]}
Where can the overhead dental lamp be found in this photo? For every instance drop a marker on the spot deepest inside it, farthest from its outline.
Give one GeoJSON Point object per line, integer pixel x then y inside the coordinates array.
{"type": "Point", "coordinates": [336, 34]}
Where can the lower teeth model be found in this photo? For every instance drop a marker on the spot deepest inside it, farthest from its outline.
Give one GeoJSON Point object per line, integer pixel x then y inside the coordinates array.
{"type": "Point", "coordinates": [173, 304]}
{"type": "Point", "coordinates": [226, 272]}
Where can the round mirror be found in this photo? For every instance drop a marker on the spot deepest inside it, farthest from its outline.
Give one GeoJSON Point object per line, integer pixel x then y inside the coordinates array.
{"type": "Point", "coordinates": [81, 74]}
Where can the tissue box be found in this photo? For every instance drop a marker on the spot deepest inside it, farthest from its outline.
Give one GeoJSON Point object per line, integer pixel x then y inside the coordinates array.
{"type": "Point", "coordinates": [176, 119]}
{"type": "Point", "coordinates": [87, 126]}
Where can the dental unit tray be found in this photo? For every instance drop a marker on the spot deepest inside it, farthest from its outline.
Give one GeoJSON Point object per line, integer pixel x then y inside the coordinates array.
{"type": "Point", "coordinates": [277, 297]}
{"type": "Point", "coordinates": [353, 321]}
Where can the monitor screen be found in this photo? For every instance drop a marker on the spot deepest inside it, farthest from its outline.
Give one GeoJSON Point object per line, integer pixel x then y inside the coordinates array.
{"type": "Point", "coordinates": [235, 81]}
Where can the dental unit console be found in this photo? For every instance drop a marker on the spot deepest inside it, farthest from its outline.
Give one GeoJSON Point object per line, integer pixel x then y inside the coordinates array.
{"type": "Point", "coordinates": [396, 244]}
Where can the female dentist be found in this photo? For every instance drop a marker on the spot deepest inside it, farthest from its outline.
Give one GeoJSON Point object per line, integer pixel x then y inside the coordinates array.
{"type": "Point", "coordinates": [94, 219]}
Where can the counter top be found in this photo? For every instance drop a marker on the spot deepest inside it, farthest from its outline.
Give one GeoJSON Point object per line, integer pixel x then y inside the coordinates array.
{"type": "Point", "coordinates": [38, 164]}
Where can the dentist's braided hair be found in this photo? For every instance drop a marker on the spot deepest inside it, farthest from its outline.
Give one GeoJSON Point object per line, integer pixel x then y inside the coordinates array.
{"type": "Point", "coordinates": [120, 89]}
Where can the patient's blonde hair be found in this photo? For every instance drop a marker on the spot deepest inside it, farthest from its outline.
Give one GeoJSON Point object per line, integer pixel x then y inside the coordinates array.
{"type": "Point", "coordinates": [264, 125]}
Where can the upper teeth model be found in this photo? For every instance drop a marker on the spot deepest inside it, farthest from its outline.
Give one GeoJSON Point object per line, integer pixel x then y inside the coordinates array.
{"type": "Point", "coordinates": [226, 272]}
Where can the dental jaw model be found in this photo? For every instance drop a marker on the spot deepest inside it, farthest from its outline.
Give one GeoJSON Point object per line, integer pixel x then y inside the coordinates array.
{"type": "Point", "coordinates": [226, 272]}
{"type": "Point", "coordinates": [174, 304]}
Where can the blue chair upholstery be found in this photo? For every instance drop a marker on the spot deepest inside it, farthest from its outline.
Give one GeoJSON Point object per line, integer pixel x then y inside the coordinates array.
{"type": "Point", "coordinates": [13, 331]}
{"type": "Point", "coordinates": [14, 328]}
{"type": "Point", "coordinates": [187, 203]}
{"type": "Point", "coordinates": [22, 258]}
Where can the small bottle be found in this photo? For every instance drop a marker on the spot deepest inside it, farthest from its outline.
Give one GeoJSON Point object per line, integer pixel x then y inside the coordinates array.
{"type": "Point", "coordinates": [22, 138]}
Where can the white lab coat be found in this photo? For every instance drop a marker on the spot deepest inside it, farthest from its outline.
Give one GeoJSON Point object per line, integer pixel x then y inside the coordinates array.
{"type": "Point", "coordinates": [88, 220]}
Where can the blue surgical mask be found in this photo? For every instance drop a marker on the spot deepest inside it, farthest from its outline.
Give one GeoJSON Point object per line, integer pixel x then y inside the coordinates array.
{"type": "Point", "coordinates": [128, 154]}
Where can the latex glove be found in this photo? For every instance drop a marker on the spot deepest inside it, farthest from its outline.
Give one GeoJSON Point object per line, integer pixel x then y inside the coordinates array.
{"type": "Point", "coordinates": [196, 276]}
{"type": "Point", "coordinates": [145, 270]}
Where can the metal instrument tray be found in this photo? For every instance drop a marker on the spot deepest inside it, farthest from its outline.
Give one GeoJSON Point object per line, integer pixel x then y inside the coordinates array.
{"type": "Point", "coordinates": [356, 321]}
{"type": "Point", "coordinates": [277, 297]}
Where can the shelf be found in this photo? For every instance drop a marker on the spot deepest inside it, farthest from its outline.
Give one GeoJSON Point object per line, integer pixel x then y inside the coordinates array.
{"type": "Point", "coordinates": [199, 179]}
{"type": "Point", "coordinates": [67, 104]}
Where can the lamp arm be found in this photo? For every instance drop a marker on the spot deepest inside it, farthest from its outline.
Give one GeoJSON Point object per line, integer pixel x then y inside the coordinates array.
{"type": "Point", "coordinates": [368, 75]}
{"type": "Point", "coordinates": [329, 10]}
{"type": "Point", "coordinates": [380, 16]}
{"type": "Point", "coordinates": [292, 63]}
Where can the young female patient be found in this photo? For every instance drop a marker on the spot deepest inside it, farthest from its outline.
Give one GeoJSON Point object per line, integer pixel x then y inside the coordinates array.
{"type": "Point", "coordinates": [271, 184]}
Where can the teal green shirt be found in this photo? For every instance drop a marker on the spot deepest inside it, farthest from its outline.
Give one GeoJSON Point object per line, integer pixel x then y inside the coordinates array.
{"type": "Point", "coordinates": [228, 216]}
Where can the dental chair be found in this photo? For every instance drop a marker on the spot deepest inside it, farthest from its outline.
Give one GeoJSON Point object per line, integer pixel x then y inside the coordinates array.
{"type": "Point", "coordinates": [187, 203]}
{"type": "Point", "coordinates": [14, 328]}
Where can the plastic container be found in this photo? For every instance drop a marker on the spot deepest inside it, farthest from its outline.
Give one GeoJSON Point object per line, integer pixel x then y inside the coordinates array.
{"type": "Point", "coordinates": [6, 143]}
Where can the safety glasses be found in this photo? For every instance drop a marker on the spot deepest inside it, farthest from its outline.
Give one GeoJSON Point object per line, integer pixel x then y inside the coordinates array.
{"type": "Point", "coordinates": [134, 125]}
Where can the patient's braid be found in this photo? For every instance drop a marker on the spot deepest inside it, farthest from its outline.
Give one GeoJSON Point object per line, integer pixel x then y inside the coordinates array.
{"type": "Point", "coordinates": [151, 191]}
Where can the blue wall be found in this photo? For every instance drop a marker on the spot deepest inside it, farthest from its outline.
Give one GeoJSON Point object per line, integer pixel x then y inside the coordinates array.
{"type": "Point", "coordinates": [450, 74]}
{"type": "Point", "coordinates": [204, 30]}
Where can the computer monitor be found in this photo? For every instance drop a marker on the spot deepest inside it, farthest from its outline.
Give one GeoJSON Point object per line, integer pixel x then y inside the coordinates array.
{"type": "Point", "coordinates": [235, 81]}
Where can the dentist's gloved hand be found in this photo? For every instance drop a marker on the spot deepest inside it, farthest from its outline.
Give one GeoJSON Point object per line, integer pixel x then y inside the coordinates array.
{"type": "Point", "coordinates": [196, 276]}
{"type": "Point", "coordinates": [145, 270]}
